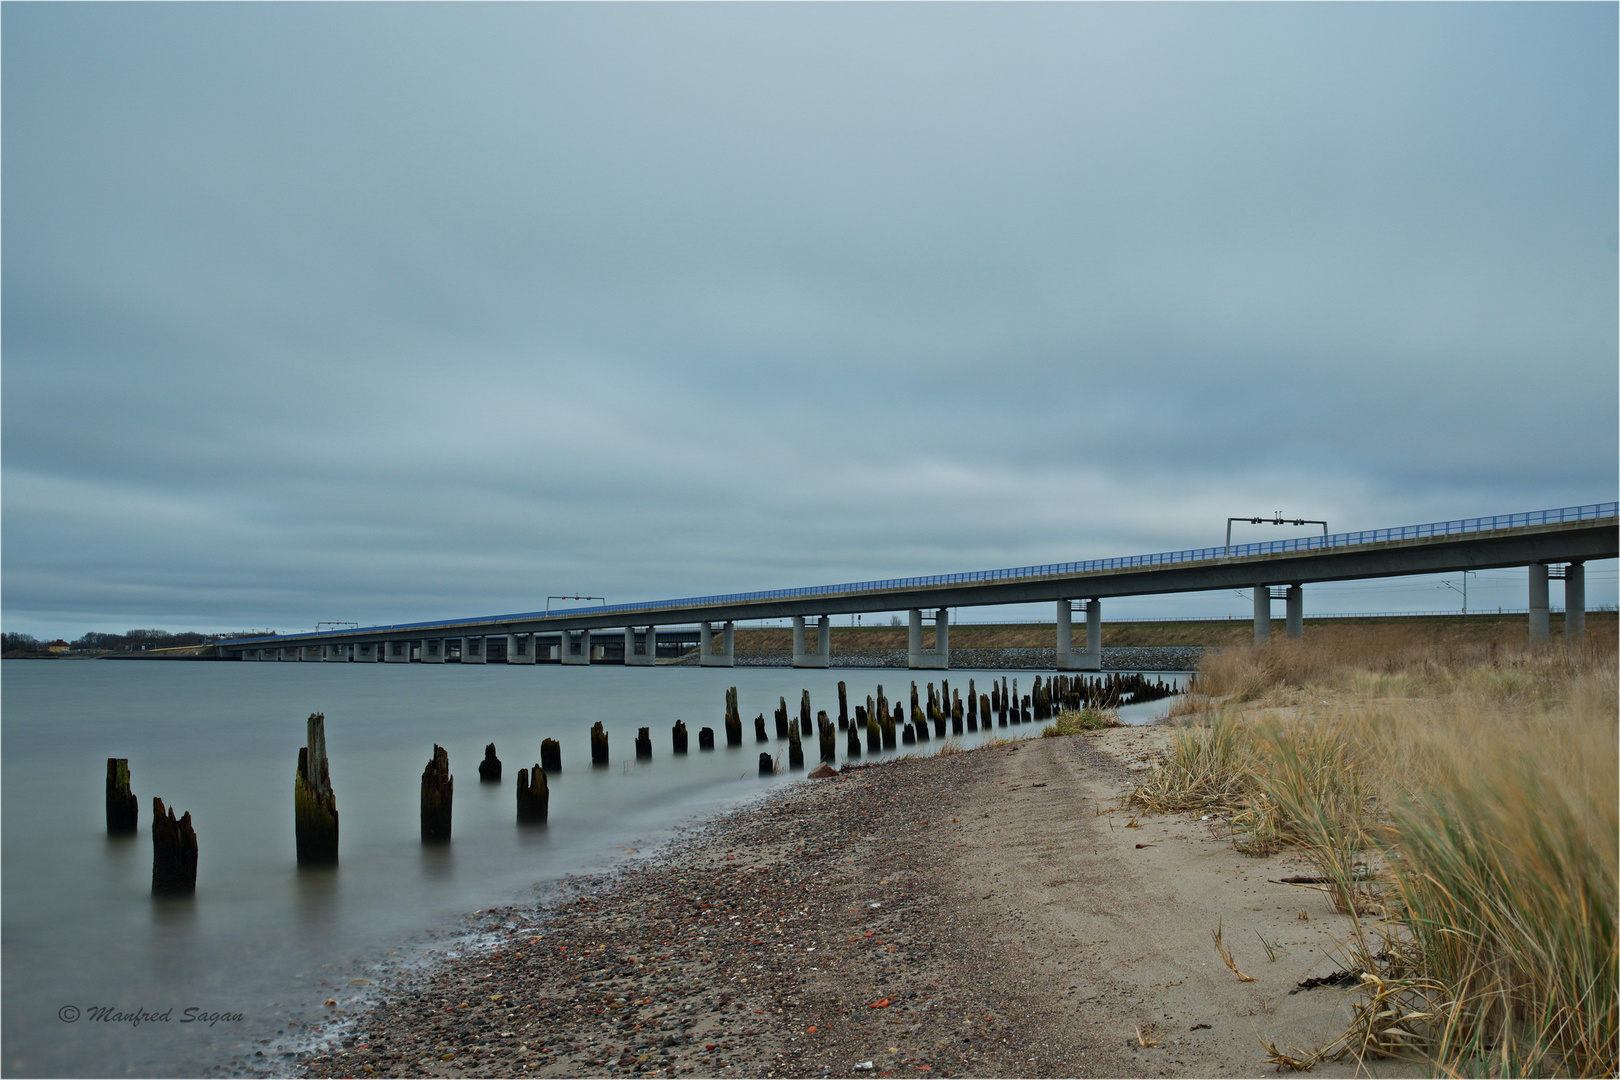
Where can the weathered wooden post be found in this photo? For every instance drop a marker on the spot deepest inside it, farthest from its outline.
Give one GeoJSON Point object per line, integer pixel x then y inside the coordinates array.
{"type": "Point", "coordinates": [1017, 715]}
{"type": "Point", "coordinates": [551, 755]}
{"type": "Point", "coordinates": [908, 735]}
{"type": "Point", "coordinates": [767, 767]}
{"type": "Point", "coordinates": [916, 713]}
{"type": "Point", "coordinates": [889, 721]}
{"type": "Point", "coordinates": [984, 711]}
{"type": "Point", "coordinates": [533, 796]}
{"type": "Point", "coordinates": [1024, 715]}
{"type": "Point", "coordinates": [706, 738]}
{"type": "Point", "coordinates": [804, 712]}
{"type": "Point", "coordinates": [438, 794]}
{"type": "Point", "coordinates": [315, 816]}
{"type": "Point", "coordinates": [852, 746]}
{"type": "Point", "coordinates": [995, 696]}
{"type": "Point", "coordinates": [828, 737]}
{"type": "Point", "coordinates": [678, 736]}
{"type": "Point", "coordinates": [733, 719]}
{"type": "Point", "coordinates": [874, 733]}
{"type": "Point", "coordinates": [489, 770]}
{"type": "Point", "coordinates": [644, 744]}
{"type": "Point", "coordinates": [973, 708]}
{"type": "Point", "coordinates": [956, 713]}
{"type": "Point", "coordinates": [795, 748]}
{"type": "Point", "coordinates": [599, 744]}
{"type": "Point", "coordinates": [123, 811]}
{"type": "Point", "coordinates": [781, 718]}
{"type": "Point", "coordinates": [174, 853]}
{"type": "Point", "coordinates": [843, 706]}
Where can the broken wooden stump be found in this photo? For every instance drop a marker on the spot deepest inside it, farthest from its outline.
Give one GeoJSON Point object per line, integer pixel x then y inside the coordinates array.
{"type": "Point", "coordinates": [956, 713]}
{"type": "Point", "coordinates": [804, 712]}
{"type": "Point", "coordinates": [828, 737]}
{"type": "Point", "coordinates": [678, 736]}
{"type": "Point", "coordinates": [438, 794]}
{"type": "Point", "coordinates": [874, 733]}
{"type": "Point", "coordinates": [767, 767]}
{"type": "Point", "coordinates": [706, 738]}
{"type": "Point", "coordinates": [890, 722]}
{"type": "Point", "coordinates": [843, 706]}
{"type": "Point", "coordinates": [781, 718]}
{"type": "Point", "coordinates": [599, 744]}
{"type": "Point", "coordinates": [489, 770]}
{"type": "Point", "coordinates": [533, 796]}
{"type": "Point", "coordinates": [908, 735]}
{"type": "Point", "coordinates": [644, 744]}
{"type": "Point", "coordinates": [795, 748]}
{"type": "Point", "coordinates": [174, 853]}
{"type": "Point", "coordinates": [733, 719]}
{"type": "Point", "coordinates": [759, 729]}
{"type": "Point", "coordinates": [972, 707]}
{"type": "Point", "coordinates": [551, 755]}
{"type": "Point", "coordinates": [123, 811]}
{"type": "Point", "coordinates": [315, 816]}
{"type": "Point", "coordinates": [852, 747]}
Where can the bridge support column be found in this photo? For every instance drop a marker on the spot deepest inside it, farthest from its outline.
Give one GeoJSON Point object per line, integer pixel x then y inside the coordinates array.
{"type": "Point", "coordinates": [1540, 621]}
{"type": "Point", "coordinates": [472, 650]}
{"type": "Point", "coordinates": [1090, 658]}
{"type": "Point", "coordinates": [727, 657]}
{"type": "Point", "coordinates": [368, 652]}
{"type": "Point", "coordinates": [1262, 614]}
{"type": "Point", "coordinates": [310, 652]}
{"type": "Point", "coordinates": [288, 652]}
{"type": "Point", "coordinates": [520, 649]}
{"type": "Point", "coordinates": [574, 650]}
{"type": "Point", "coordinates": [822, 657]}
{"type": "Point", "coordinates": [939, 657]}
{"type": "Point", "coordinates": [1296, 612]}
{"type": "Point", "coordinates": [432, 650]}
{"type": "Point", "coordinates": [396, 652]}
{"type": "Point", "coordinates": [1575, 602]}
{"type": "Point", "coordinates": [649, 654]}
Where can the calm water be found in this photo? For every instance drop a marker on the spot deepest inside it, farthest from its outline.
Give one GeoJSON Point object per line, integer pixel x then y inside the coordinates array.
{"type": "Point", "coordinates": [261, 937]}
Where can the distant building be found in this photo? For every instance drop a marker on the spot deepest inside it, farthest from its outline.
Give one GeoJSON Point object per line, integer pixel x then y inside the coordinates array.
{"type": "Point", "coordinates": [57, 646]}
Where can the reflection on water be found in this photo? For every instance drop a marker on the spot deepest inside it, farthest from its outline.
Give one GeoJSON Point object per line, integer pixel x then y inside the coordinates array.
{"type": "Point", "coordinates": [269, 939]}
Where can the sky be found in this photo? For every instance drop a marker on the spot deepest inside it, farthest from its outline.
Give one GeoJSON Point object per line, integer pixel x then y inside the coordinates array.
{"type": "Point", "coordinates": [393, 312]}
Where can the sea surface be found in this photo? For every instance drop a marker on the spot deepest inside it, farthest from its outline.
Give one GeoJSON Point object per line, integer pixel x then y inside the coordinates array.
{"type": "Point", "coordinates": [265, 943]}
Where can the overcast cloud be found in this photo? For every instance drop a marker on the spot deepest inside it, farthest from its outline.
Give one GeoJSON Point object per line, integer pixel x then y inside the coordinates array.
{"type": "Point", "coordinates": [387, 312]}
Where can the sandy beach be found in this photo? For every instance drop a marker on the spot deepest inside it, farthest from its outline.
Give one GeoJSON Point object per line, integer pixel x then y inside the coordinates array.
{"type": "Point", "coordinates": [1001, 912]}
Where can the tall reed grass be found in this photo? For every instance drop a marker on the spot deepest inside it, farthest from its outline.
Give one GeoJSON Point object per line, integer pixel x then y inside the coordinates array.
{"type": "Point", "coordinates": [1482, 788]}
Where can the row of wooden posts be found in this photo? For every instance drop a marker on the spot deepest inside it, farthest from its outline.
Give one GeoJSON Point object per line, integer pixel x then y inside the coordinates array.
{"type": "Point", "coordinates": [315, 815]}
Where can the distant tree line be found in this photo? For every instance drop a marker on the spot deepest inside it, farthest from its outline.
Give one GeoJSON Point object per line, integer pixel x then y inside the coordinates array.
{"type": "Point", "coordinates": [132, 641]}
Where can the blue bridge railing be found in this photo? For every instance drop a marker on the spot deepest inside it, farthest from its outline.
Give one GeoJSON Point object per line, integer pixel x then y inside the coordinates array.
{"type": "Point", "coordinates": [1461, 526]}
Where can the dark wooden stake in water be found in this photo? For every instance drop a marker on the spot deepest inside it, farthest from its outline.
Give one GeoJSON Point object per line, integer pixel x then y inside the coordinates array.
{"type": "Point", "coordinates": [889, 723]}
{"type": "Point", "coordinates": [599, 744]}
{"type": "Point", "coordinates": [828, 738]}
{"type": "Point", "coordinates": [956, 713]}
{"type": "Point", "coordinates": [767, 767]}
{"type": "Point", "coordinates": [174, 853]}
{"type": "Point", "coordinates": [679, 736]}
{"type": "Point", "coordinates": [874, 733]}
{"type": "Point", "coordinates": [760, 734]}
{"type": "Point", "coordinates": [551, 755]}
{"type": "Point", "coordinates": [852, 748]}
{"type": "Point", "coordinates": [843, 706]}
{"type": "Point", "coordinates": [972, 707]}
{"type": "Point", "coordinates": [123, 811]}
{"type": "Point", "coordinates": [644, 744]}
{"type": "Point", "coordinates": [733, 719]}
{"type": "Point", "coordinates": [984, 709]}
{"type": "Point", "coordinates": [908, 735]}
{"type": "Point", "coordinates": [438, 793]}
{"type": "Point", "coordinates": [795, 749]}
{"type": "Point", "coordinates": [706, 738]}
{"type": "Point", "coordinates": [489, 770]}
{"type": "Point", "coordinates": [804, 712]}
{"type": "Point", "coordinates": [533, 796]}
{"type": "Point", "coordinates": [781, 718]}
{"type": "Point", "coordinates": [315, 816]}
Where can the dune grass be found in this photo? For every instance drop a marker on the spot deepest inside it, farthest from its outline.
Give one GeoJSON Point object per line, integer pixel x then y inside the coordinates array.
{"type": "Point", "coordinates": [1466, 796]}
{"type": "Point", "coordinates": [1074, 721]}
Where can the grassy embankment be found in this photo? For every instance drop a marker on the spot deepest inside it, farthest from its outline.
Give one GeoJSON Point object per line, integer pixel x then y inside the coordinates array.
{"type": "Point", "coordinates": [1460, 803]}
{"type": "Point", "coordinates": [1432, 629]}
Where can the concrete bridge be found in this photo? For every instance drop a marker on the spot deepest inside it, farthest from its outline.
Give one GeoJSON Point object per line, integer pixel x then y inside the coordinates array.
{"type": "Point", "coordinates": [1551, 544]}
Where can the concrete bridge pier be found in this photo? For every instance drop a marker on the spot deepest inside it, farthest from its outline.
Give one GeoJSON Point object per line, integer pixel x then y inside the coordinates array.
{"type": "Point", "coordinates": [1090, 658]}
{"type": "Point", "coordinates": [432, 650]}
{"type": "Point", "coordinates": [521, 649]}
{"type": "Point", "coordinates": [1540, 619]}
{"type": "Point", "coordinates": [1262, 614]}
{"type": "Point", "coordinates": [727, 657]}
{"type": "Point", "coordinates": [649, 655]}
{"type": "Point", "coordinates": [1296, 612]}
{"type": "Point", "coordinates": [1575, 602]}
{"type": "Point", "coordinates": [396, 652]}
{"type": "Point", "coordinates": [939, 657]}
{"type": "Point", "coordinates": [822, 657]}
{"type": "Point", "coordinates": [572, 650]}
{"type": "Point", "coordinates": [472, 650]}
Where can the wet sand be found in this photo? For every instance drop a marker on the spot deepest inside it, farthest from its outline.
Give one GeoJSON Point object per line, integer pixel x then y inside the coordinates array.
{"type": "Point", "coordinates": [992, 913]}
